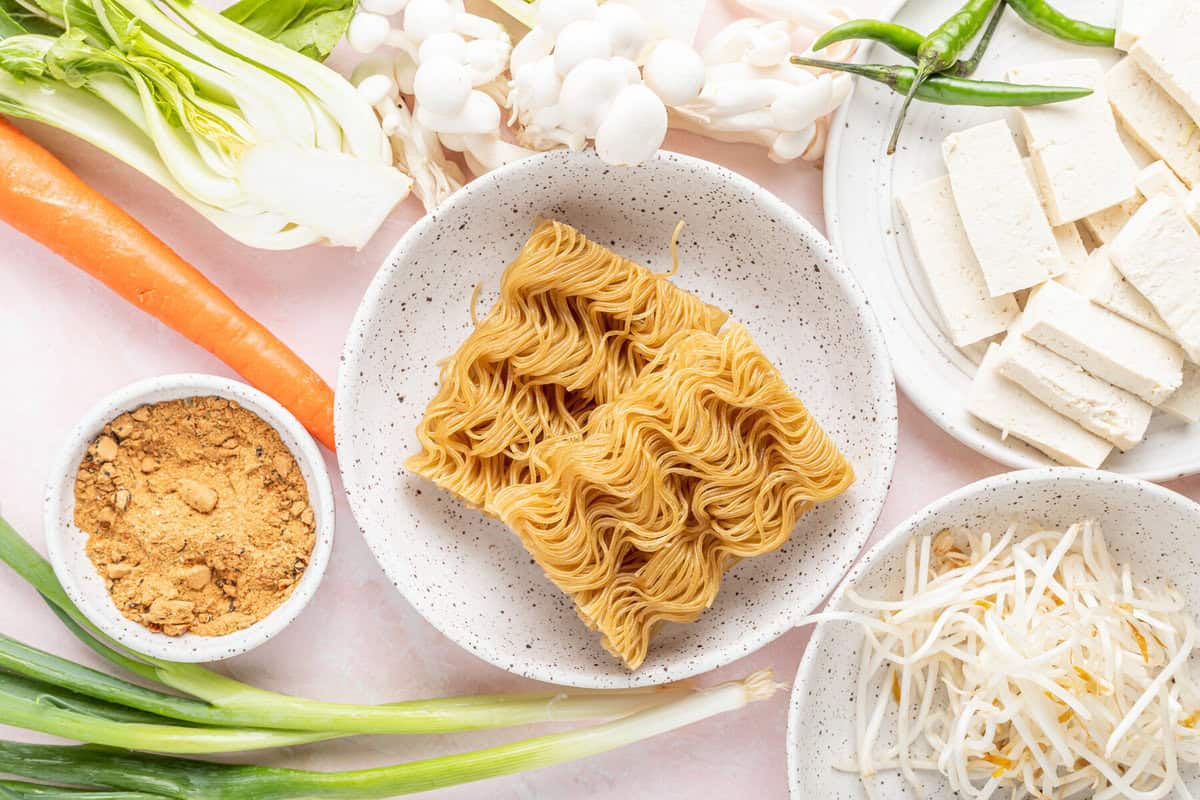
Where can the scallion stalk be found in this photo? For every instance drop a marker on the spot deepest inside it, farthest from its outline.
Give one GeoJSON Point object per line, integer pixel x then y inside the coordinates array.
{"type": "Point", "coordinates": [198, 780]}
{"type": "Point", "coordinates": [221, 701]}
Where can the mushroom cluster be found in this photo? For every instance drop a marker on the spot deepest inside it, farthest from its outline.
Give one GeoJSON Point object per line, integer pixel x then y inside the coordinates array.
{"type": "Point", "coordinates": [441, 80]}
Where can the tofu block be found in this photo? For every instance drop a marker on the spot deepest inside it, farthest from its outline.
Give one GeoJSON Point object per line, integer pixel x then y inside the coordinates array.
{"type": "Point", "coordinates": [1137, 18]}
{"type": "Point", "coordinates": [1075, 146]}
{"type": "Point", "coordinates": [1000, 209]}
{"type": "Point", "coordinates": [1157, 179]}
{"type": "Point", "coordinates": [1100, 282]}
{"type": "Point", "coordinates": [1105, 225]}
{"type": "Point", "coordinates": [1168, 54]}
{"type": "Point", "coordinates": [1108, 346]}
{"type": "Point", "coordinates": [1157, 122]}
{"type": "Point", "coordinates": [955, 278]}
{"type": "Point", "coordinates": [1185, 403]}
{"type": "Point", "coordinates": [1003, 404]}
{"type": "Point", "coordinates": [1107, 411]}
{"type": "Point", "coordinates": [1070, 243]}
{"type": "Point", "coordinates": [1158, 252]}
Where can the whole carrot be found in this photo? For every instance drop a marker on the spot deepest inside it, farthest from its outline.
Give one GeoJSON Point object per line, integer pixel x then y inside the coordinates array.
{"type": "Point", "coordinates": [41, 197]}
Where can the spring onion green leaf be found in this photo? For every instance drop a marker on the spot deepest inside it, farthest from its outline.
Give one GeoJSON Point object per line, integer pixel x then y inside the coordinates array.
{"type": "Point", "coordinates": [310, 27]}
{"type": "Point", "coordinates": [17, 790]}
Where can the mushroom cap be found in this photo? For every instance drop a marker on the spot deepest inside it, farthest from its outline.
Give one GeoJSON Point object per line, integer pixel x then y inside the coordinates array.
{"type": "Point", "coordinates": [442, 86]}
{"type": "Point", "coordinates": [554, 15]}
{"type": "Point", "coordinates": [588, 91]}
{"type": "Point", "coordinates": [675, 72]}
{"type": "Point", "coordinates": [479, 114]}
{"type": "Point", "coordinates": [634, 128]}
{"type": "Point", "coordinates": [579, 41]}
{"type": "Point", "coordinates": [424, 18]}
{"type": "Point", "coordinates": [367, 32]}
{"type": "Point", "coordinates": [627, 29]}
{"type": "Point", "coordinates": [442, 45]}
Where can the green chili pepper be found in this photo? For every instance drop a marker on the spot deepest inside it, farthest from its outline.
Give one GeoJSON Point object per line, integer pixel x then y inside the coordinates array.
{"type": "Point", "coordinates": [941, 49]}
{"type": "Point", "coordinates": [904, 41]}
{"type": "Point", "coordinates": [953, 91]}
{"type": "Point", "coordinates": [1048, 19]}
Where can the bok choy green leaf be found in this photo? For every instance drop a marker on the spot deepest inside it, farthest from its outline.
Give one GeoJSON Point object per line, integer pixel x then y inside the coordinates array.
{"type": "Point", "coordinates": [274, 148]}
{"type": "Point", "coordinates": [310, 27]}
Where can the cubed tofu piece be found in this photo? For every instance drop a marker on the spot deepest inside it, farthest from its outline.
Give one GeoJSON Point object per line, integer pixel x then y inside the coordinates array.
{"type": "Point", "coordinates": [1100, 282]}
{"type": "Point", "coordinates": [1137, 18]}
{"type": "Point", "coordinates": [1157, 179]}
{"type": "Point", "coordinates": [1158, 252]}
{"type": "Point", "coordinates": [1185, 403]}
{"type": "Point", "coordinates": [955, 278]}
{"type": "Point", "coordinates": [1108, 346]}
{"type": "Point", "coordinates": [1000, 209]}
{"type": "Point", "coordinates": [1075, 146]}
{"type": "Point", "coordinates": [1107, 411]}
{"type": "Point", "coordinates": [1157, 122]}
{"type": "Point", "coordinates": [1168, 53]}
{"type": "Point", "coordinates": [1003, 404]}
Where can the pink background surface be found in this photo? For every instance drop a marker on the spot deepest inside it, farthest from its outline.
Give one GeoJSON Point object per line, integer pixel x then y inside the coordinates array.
{"type": "Point", "coordinates": [65, 341]}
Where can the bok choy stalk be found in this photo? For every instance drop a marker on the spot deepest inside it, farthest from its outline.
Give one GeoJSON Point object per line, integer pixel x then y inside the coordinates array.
{"type": "Point", "coordinates": [216, 700]}
{"type": "Point", "coordinates": [273, 147]}
{"type": "Point", "coordinates": [200, 780]}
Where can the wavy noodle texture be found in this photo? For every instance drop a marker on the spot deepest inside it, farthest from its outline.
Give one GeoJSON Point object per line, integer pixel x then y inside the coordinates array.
{"type": "Point", "coordinates": [707, 458]}
{"type": "Point", "coordinates": [574, 327]}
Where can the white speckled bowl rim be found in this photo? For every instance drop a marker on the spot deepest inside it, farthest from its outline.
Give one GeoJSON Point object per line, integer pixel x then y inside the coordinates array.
{"type": "Point", "coordinates": [357, 469]}
{"type": "Point", "coordinates": [65, 542]}
{"type": "Point", "coordinates": [1041, 494]}
{"type": "Point", "coordinates": [931, 371]}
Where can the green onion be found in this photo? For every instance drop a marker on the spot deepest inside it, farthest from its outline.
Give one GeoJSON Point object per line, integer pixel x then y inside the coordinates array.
{"type": "Point", "coordinates": [199, 780]}
{"type": "Point", "coordinates": [16, 790]}
{"type": "Point", "coordinates": [226, 702]}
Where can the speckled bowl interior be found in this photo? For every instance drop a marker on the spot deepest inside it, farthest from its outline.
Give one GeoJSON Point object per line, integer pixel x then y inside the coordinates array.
{"type": "Point", "coordinates": [1151, 528]}
{"type": "Point", "coordinates": [743, 250]}
{"type": "Point", "coordinates": [65, 543]}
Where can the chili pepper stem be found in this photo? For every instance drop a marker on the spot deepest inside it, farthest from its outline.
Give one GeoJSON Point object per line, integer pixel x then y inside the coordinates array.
{"type": "Point", "coordinates": [965, 69]}
{"type": "Point", "coordinates": [923, 73]}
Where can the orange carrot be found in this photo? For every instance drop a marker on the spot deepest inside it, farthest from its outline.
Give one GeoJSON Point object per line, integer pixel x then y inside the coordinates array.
{"type": "Point", "coordinates": [41, 197]}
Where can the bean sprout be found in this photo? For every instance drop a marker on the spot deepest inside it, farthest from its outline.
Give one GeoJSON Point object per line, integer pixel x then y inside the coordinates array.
{"type": "Point", "coordinates": [1036, 667]}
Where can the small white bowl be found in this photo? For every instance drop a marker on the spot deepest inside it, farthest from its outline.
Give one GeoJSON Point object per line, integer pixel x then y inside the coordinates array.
{"type": "Point", "coordinates": [86, 588]}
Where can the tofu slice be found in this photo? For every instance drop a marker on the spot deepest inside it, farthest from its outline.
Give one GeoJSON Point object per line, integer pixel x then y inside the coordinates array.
{"type": "Point", "coordinates": [1070, 243]}
{"type": "Point", "coordinates": [1107, 411]}
{"type": "Point", "coordinates": [1108, 346]}
{"type": "Point", "coordinates": [1137, 18]}
{"type": "Point", "coordinates": [1158, 252]}
{"type": "Point", "coordinates": [1168, 54]}
{"type": "Point", "coordinates": [1075, 146]}
{"type": "Point", "coordinates": [1003, 404]}
{"type": "Point", "coordinates": [1100, 282]}
{"type": "Point", "coordinates": [968, 310]}
{"type": "Point", "coordinates": [1185, 403]}
{"type": "Point", "coordinates": [1157, 179]}
{"type": "Point", "coordinates": [1105, 225]}
{"type": "Point", "coordinates": [1157, 122]}
{"type": "Point", "coordinates": [1000, 209]}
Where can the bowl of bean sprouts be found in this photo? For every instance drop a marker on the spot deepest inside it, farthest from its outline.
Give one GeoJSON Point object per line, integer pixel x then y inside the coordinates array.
{"type": "Point", "coordinates": [1032, 635]}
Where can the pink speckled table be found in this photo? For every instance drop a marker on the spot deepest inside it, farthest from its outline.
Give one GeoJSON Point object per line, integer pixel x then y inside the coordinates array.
{"type": "Point", "coordinates": [65, 341]}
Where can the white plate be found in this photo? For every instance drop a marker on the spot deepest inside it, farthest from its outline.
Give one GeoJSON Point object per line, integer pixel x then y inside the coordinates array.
{"type": "Point", "coordinates": [866, 229]}
{"type": "Point", "coordinates": [744, 250]}
{"type": "Point", "coordinates": [1147, 526]}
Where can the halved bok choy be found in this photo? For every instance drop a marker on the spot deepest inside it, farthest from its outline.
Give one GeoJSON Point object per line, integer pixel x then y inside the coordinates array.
{"type": "Point", "coordinates": [273, 147]}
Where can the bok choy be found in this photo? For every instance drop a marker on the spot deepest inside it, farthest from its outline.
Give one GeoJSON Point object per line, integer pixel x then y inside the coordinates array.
{"type": "Point", "coordinates": [274, 148]}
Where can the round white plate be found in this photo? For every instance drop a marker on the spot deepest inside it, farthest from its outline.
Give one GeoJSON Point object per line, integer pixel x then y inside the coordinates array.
{"type": "Point", "coordinates": [861, 184]}
{"type": "Point", "coordinates": [1147, 526]}
{"type": "Point", "coordinates": [742, 249]}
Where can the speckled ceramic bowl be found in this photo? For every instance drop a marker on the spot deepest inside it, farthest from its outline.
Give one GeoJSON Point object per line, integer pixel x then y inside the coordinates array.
{"type": "Point", "coordinates": [743, 250]}
{"type": "Point", "coordinates": [84, 585]}
{"type": "Point", "coordinates": [1147, 526]}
